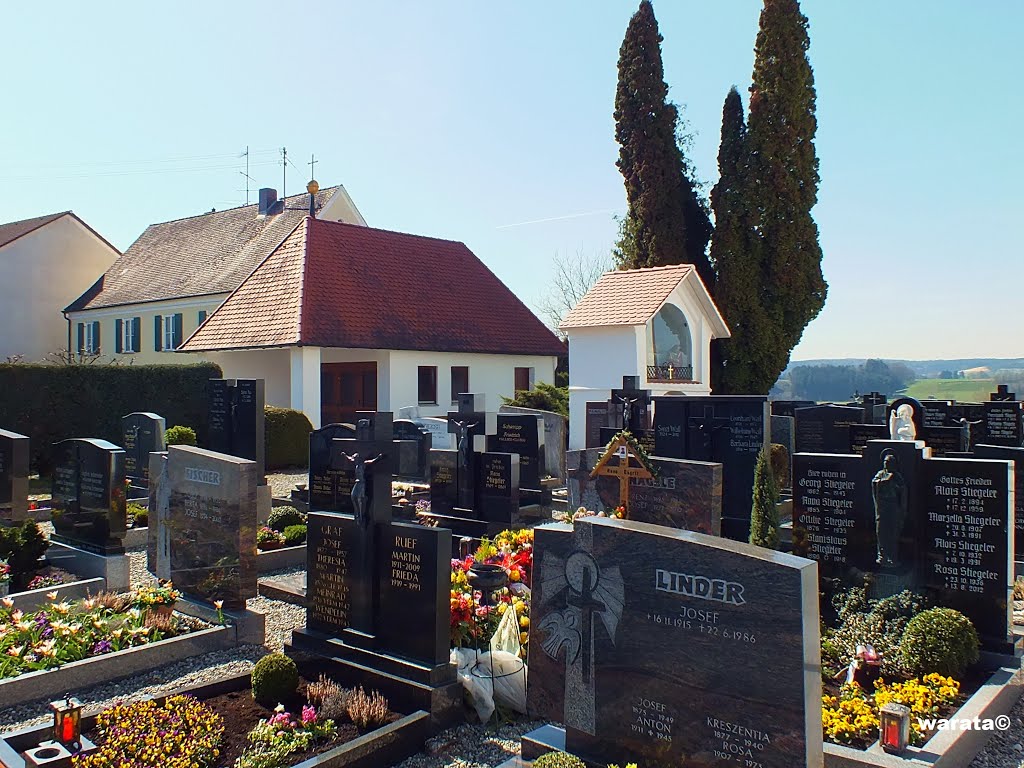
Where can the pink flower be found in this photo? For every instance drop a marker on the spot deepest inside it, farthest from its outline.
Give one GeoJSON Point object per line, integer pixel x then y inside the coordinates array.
{"type": "Point", "coordinates": [308, 715]}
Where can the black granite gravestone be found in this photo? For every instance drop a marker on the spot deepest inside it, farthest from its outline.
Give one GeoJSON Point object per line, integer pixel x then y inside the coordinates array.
{"type": "Point", "coordinates": [212, 525]}
{"type": "Point", "coordinates": [684, 494]}
{"type": "Point", "coordinates": [14, 461]}
{"type": "Point", "coordinates": [412, 451]}
{"type": "Point", "coordinates": [1002, 424]}
{"type": "Point", "coordinates": [329, 487]}
{"type": "Point", "coordinates": [788, 407]}
{"type": "Point", "coordinates": [142, 434]}
{"type": "Point", "coordinates": [498, 493]}
{"type": "Point", "coordinates": [825, 428]}
{"type": "Point", "coordinates": [597, 419]}
{"type": "Point", "coordinates": [444, 492]}
{"type": "Point", "coordinates": [873, 404]}
{"type": "Point", "coordinates": [782, 433]}
{"type": "Point", "coordinates": [630, 406]}
{"type": "Point", "coordinates": [556, 438]}
{"type": "Point", "coordinates": [1002, 394]}
{"type": "Point", "coordinates": [236, 419]}
{"type": "Point", "coordinates": [860, 434]}
{"type": "Point", "coordinates": [648, 644]}
{"type": "Point", "coordinates": [522, 435]}
{"type": "Point", "coordinates": [89, 495]}
{"type": "Point", "coordinates": [1016, 455]}
{"type": "Point", "coordinates": [645, 437]}
{"type": "Point", "coordinates": [469, 423]}
{"type": "Point", "coordinates": [937, 413]}
{"type": "Point", "coordinates": [725, 429]}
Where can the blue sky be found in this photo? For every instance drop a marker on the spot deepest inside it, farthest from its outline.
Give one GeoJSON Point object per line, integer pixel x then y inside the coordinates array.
{"type": "Point", "coordinates": [462, 119]}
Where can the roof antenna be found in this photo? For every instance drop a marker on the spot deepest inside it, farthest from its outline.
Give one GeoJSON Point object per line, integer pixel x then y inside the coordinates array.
{"type": "Point", "coordinates": [284, 172]}
{"type": "Point", "coordinates": [245, 173]}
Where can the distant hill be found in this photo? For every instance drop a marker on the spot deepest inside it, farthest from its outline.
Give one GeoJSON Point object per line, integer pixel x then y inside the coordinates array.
{"type": "Point", "coordinates": [925, 368]}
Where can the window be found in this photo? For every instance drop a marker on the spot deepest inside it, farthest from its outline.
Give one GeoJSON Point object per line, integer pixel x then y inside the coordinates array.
{"type": "Point", "coordinates": [524, 379]}
{"type": "Point", "coordinates": [89, 338]}
{"type": "Point", "coordinates": [202, 316]}
{"type": "Point", "coordinates": [167, 332]}
{"type": "Point", "coordinates": [127, 334]}
{"type": "Point", "coordinates": [460, 381]}
{"type": "Point", "coordinates": [427, 385]}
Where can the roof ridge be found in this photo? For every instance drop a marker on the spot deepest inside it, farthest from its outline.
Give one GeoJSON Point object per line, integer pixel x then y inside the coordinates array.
{"type": "Point", "coordinates": [54, 215]}
{"type": "Point", "coordinates": [238, 207]}
{"type": "Point", "coordinates": [366, 228]}
{"type": "Point", "coordinates": [307, 236]}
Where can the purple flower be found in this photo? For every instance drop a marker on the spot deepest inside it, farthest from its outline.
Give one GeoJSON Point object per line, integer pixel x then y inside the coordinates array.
{"type": "Point", "coordinates": [103, 646]}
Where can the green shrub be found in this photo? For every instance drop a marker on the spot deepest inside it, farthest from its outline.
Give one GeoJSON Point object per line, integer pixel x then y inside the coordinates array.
{"type": "Point", "coordinates": [50, 403]}
{"type": "Point", "coordinates": [275, 678]}
{"type": "Point", "coordinates": [281, 517]}
{"type": "Point", "coordinates": [558, 760]}
{"type": "Point", "coordinates": [880, 623]}
{"type": "Point", "coordinates": [287, 438]}
{"type": "Point", "coordinates": [138, 515]}
{"type": "Point", "coordinates": [764, 515]}
{"type": "Point", "coordinates": [22, 547]}
{"type": "Point", "coordinates": [780, 465]}
{"type": "Point", "coordinates": [294, 535]}
{"type": "Point", "coordinates": [178, 435]}
{"type": "Point", "coordinates": [939, 640]}
{"type": "Point", "coordinates": [544, 397]}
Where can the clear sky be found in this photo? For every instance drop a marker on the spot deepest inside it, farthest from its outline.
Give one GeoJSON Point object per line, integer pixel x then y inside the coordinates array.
{"type": "Point", "coordinates": [491, 123]}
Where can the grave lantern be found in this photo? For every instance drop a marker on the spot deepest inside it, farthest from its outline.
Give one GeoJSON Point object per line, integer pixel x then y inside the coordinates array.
{"type": "Point", "coordinates": [67, 722]}
{"type": "Point", "coordinates": [894, 722]}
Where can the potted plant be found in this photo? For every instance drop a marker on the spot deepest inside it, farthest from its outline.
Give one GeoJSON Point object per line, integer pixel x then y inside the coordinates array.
{"type": "Point", "coordinates": [267, 538]}
{"type": "Point", "coordinates": [5, 578]}
{"type": "Point", "coordinates": [159, 599]}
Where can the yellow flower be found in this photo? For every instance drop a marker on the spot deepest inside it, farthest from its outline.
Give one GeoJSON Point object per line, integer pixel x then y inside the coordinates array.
{"type": "Point", "coordinates": [524, 622]}
{"type": "Point", "coordinates": [8, 602]}
{"type": "Point", "coordinates": [51, 595]}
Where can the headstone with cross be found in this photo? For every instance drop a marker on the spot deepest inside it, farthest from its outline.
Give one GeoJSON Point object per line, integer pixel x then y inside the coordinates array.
{"type": "Point", "coordinates": [703, 428]}
{"type": "Point", "coordinates": [630, 407]}
{"type": "Point", "coordinates": [470, 424]}
{"type": "Point", "coordinates": [628, 467]}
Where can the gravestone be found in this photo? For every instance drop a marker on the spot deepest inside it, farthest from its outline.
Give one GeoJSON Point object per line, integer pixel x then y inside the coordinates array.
{"type": "Point", "coordinates": [683, 494]}
{"type": "Point", "coordinates": [556, 438]}
{"type": "Point", "coordinates": [413, 449]}
{"type": "Point", "coordinates": [377, 590]}
{"type": "Point", "coordinates": [1016, 455]}
{"type": "Point", "coordinates": [236, 419]}
{"type": "Point", "coordinates": [916, 408]}
{"type": "Point", "coordinates": [89, 495]}
{"type": "Point", "coordinates": [1002, 424]}
{"type": "Point", "coordinates": [523, 435]}
{"type": "Point", "coordinates": [630, 406]}
{"type": "Point", "coordinates": [643, 436]}
{"type": "Point", "coordinates": [860, 434]}
{"type": "Point", "coordinates": [440, 437]}
{"type": "Point", "coordinates": [158, 548]}
{"type": "Point", "coordinates": [444, 492]}
{"type": "Point", "coordinates": [937, 413]}
{"type": "Point", "coordinates": [596, 420]}
{"type": "Point", "coordinates": [782, 433]}
{"type": "Point", "coordinates": [729, 430]}
{"type": "Point", "coordinates": [499, 478]}
{"type": "Point", "coordinates": [825, 428]}
{"type": "Point", "coordinates": [1002, 394]}
{"type": "Point", "coordinates": [14, 468]}
{"type": "Point", "coordinates": [329, 487]}
{"type": "Point", "coordinates": [142, 434]}
{"type": "Point", "coordinates": [471, 425]}
{"type": "Point", "coordinates": [212, 525]}
{"type": "Point", "coordinates": [612, 600]}
{"type": "Point", "coordinates": [788, 407]}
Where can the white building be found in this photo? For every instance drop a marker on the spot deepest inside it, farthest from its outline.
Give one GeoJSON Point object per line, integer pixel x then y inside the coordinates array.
{"type": "Point", "coordinates": [45, 263]}
{"type": "Point", "coordinates": [655, 323]}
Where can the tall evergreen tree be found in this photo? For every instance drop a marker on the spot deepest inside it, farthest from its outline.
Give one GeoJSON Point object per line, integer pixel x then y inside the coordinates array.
{"type": "Point", "coordinates": [782, 184]}
{"type": "Point", "coordinates": [666, 222]}
{"type": "Point", "coordinates": [764, 515]}
{"type": "Point", "coordinates": [736, 257]}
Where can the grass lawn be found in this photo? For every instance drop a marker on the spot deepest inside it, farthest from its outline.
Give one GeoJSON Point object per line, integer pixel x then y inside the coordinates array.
{"type": "Point", "coordinates": [965, 390]}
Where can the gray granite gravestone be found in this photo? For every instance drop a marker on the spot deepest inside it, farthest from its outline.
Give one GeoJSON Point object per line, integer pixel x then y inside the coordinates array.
{"type": "Point", "coordinates": [212, 525]}
{"type": "Point", "coordinates": [14, 461]}
{"type": "Point", "coordinates": [158, 552]}
{"type": "Point", "coordinates": [684, 494]}
{"type": "Point", "coordinates": [142, 434]}
{"type": "Point", "coordinates": [673, 648]}
{"type": "Point", "coordinates": [556, 438]}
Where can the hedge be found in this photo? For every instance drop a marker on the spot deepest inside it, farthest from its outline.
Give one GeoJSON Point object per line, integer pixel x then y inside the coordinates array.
{"type": "Point", "coordinates": [54, 402]}
{"type": "Point", "coordinates": [287, 438]}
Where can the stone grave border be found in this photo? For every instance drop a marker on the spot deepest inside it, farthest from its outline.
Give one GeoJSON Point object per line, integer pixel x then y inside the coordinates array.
{"type": "Point", "coordinates": [387, 745]}
{"type": "Point", "coordinates": [279, 559]}
{"type": "Point", "coordinates": [949, 748]}
{"type": "Point", "coordinates": [30, 599]}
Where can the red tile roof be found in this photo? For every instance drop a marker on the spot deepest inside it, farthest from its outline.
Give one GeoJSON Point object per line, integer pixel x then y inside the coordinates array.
{"type": "Point", "coordinates": [626, 297]}
{"type": "Point", "coordinates": [339, 285]}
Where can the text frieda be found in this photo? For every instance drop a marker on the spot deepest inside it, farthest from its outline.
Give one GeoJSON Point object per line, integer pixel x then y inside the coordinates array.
{"type": "Point", "coordinates": [702, 587]}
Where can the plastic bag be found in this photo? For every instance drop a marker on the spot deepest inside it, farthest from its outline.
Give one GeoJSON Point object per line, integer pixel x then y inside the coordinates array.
{"type": "Point", "coordinates": [495, 677]}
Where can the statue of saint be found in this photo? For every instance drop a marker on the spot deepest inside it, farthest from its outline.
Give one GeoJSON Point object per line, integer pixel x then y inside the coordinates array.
{"type": "Point", "coordinates": [889, 492]}
{"type": "Point", "coordinates": [901, 423]}
{"type": "Point", "coordinates": [359, 496]}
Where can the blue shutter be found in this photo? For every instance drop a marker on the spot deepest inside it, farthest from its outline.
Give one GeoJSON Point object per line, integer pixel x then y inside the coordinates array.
{"type": "Point", "coordinates": [136, 334]}
{"type": "Point", "coordinates": [177, 330]}
{"type": "Point", "coordinates": [158, 341]}
{"type": "Point", "coordinates": [118, 335]}
{"type": "Point", "coordinates": [81, 338]}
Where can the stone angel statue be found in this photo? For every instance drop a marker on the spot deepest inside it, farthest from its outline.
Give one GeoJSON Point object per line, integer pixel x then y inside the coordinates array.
{"type": "Point", "coordinates": [901, 423]}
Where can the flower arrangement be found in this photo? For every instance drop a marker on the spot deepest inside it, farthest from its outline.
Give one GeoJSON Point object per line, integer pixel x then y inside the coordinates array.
{"type": "Point", "coordinates": [5, 572]}
{"type": "Point", "coordinates": [423, 507]}
{"type": "Point", "coordinates": [62, 632]}
{"type": "Point", "coordinates": [272, 740]}
{"type": "Point", "coordinates": [852, 717]}
{"type": "Point", "coordinates": [163, 593]}
{"type": "Point", "coordinates": [268, 538]}
{"type": "Point", "coordinates": [180, 733]}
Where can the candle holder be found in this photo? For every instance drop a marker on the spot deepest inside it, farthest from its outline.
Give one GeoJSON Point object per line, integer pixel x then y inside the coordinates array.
{"type": "Point", "coordinates": [894, 724]}
{"type": "Point", "coordinates": [67, 722]}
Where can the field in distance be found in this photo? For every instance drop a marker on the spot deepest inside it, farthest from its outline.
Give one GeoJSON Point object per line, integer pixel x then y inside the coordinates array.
{"type": "Point", "coordinates": [964, 390]}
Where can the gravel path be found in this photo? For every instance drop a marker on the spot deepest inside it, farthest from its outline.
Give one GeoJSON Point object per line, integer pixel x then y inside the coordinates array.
{"type": "Point", "coordinates": [282, 483]}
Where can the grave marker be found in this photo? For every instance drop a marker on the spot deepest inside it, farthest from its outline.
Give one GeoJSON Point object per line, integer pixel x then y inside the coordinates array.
{"type": "Point", "coordinates": [329, 487]}
{"type": "Point", "coordinates": [142, 434]}
{"type": "Point", "coordinates": [523, 435]}
{"type": "Point", "coordinates": [89, 495]}
{"type": "Point", "coordinates": [236, 419]}
{"type": "Point", "coordinates": [825, 428]}
{"type": "Point", "coordinates": [631, 406]}
{"type": "Point", "coordinates": [14, 469]}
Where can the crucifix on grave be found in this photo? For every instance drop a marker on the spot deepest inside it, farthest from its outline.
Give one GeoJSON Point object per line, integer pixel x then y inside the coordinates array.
{"type": "Point", "coordinates": [369, 456]}
{"type": "Point", "coordinates": [631, 405]}
{"type": "Point", "coordinates": [706, 425]}
{"type": "Point", "coordinates": [630, 465]}
{"type": "Point", "coordinates": [470, 422]}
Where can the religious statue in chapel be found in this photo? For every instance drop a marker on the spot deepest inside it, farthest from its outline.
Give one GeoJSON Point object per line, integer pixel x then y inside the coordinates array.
{"type": "Point", "coordinates": [889, 492]}
{"type": "Point", "coordinates": [901, 423]}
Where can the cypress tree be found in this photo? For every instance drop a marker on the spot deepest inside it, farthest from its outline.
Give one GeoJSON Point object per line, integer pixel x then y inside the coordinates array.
{"type": "Point", "coordinates": [666, 222]}
{"type": "Point", "coordinates": [782, 184]}
{"type": "Point", "coordinates": [764, 515]}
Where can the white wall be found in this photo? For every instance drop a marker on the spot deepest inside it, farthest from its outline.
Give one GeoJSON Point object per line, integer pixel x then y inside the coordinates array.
{"type": "Point", "coordinates": [40, 274]}
{"type": "Point", "coordinates": [271, 365]}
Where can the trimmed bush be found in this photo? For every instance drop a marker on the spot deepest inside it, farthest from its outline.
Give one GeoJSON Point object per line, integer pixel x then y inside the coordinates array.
{"type": "Point", "coordinates": [138, 515]}
{"type": "Point", "coordinates": [287, 436]}
{"type": "Point", "coordinates": [558, 760]}
{"type": "Point", "coordinates": [179, 435]}
{"type": "Point", "coordinates": [50, 403]}
{"type": "Point", "coordinates": [294, 535]}
{"type": "Point", "coordinates": [939, 640]}
{"type": "Point", "coordinates": [281, 517]}
{"type": "Point", "coordinates": [780, 465]}
{"type": "Point", "coordinates": [275, 678]}
{"type": "Point", "coordinates": [22, 547]}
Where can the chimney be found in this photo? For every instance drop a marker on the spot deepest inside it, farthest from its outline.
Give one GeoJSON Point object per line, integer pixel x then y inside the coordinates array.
{"type": "Point", "coordinates": [268, 198]}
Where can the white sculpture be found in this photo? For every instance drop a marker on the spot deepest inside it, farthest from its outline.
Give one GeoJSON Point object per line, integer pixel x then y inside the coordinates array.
{"type": "Point", "coordinates": [901, 423]}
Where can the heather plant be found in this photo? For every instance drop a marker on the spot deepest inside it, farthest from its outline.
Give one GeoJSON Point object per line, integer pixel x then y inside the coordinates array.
{"type": "Point", "coordinates": [367, 710]}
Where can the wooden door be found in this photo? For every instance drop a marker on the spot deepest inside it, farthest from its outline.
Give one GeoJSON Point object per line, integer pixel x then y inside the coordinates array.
{"type": "Point", "coordinates": [346, 388]}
